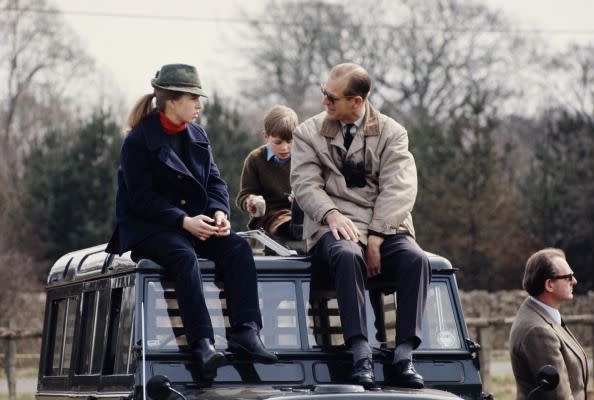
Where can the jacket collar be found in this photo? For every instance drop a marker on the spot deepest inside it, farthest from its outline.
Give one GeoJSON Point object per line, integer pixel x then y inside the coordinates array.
{"type": "Point", "coordinates": [370, 127]}
{"type": "Point", "coordinates": [563, 332]}
{"type": "Point", "coordinates": [156, 137]}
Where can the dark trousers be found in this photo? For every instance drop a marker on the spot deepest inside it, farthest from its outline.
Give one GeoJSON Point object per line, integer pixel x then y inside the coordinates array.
{"type": "Point", "coordinates": [404, 266]}
{"type": "Point", "coordinates": [178, 253]}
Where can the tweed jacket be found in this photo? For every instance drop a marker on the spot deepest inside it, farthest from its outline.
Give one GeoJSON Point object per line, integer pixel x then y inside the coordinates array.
{"type": "Point", "coordinates": [383, 205]}
{"type": "Point", "coordinates": [156, 189]}
{"type": "Point", "coordinates": [535, 340]}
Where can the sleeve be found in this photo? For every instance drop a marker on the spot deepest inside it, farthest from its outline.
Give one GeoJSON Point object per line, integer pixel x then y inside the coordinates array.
{"type": "Point", "coordinates": [250, 181]}
{"type": "Point", "coordinates": [218, 195]}
{"type": "Point", "coordinates": [549, 352]}
{"type": "Point", "coordinates": [397, 186]}
{"type": "Point", "coordinates": [307, 178]}
{"type": "Point", "coordinates": [145, 202]}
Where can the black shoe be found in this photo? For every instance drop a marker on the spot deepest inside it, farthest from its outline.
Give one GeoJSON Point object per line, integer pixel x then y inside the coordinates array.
{"type": "Point", "coordinates": [208, 358]}
{"type": "Point", "coordinates": [247, 344]}
{"type": "Point", "coordinates": [403, 374]}
{"type": "Point", "coordinates": [363, 373]}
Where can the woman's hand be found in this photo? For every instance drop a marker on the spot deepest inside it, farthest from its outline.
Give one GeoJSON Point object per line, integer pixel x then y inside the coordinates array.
{"type": "Point", "coordinates": [222, 223]}
{"type": "Point", "coordinates": [201, 226]}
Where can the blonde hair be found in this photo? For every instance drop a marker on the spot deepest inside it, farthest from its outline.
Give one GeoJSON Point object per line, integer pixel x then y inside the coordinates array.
{"type": "Point", "coordinates": [281, 121]}
{"type": "Point", "coordinates": [145, 107]}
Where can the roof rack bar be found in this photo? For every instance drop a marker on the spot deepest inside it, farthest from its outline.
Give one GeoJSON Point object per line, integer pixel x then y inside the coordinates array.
{"type": "Point", "coordinates": [262, 237]}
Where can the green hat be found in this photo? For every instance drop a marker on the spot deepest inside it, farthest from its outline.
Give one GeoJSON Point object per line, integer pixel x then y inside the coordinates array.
{"type": "Point", "coordinates": [179, 78]}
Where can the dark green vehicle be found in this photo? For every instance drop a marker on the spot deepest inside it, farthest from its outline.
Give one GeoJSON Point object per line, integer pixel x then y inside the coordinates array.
{"type": "Point", "coordinates": [112, 325]}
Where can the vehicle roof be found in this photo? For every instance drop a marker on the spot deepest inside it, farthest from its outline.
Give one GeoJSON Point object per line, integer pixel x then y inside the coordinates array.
{"type": "Point", "coordinates": [327, 391]}
{"type": "Point", "coordinates": [92, 262]}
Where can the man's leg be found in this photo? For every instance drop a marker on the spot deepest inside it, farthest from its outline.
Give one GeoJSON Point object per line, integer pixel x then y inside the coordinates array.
{"type": "Point", "coordinates": [235, 264]}
{"type": "Point", "coordinates": [345, 260]}
{"type": "Point", "coordinates": [346, 263]}
{"type": "Point", "coordinates": [406, 266]}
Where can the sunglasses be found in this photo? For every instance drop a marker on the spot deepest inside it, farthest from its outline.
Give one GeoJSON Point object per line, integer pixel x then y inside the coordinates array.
{"type": "Point", "coordinates": [331, 98]}
{"type": "Point", "coordinates": [569, 277]}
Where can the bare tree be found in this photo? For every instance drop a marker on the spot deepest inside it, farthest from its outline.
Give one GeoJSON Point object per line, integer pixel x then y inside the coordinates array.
{"type": "Point", "coordinates": [575, 87]}
{"type": "Point", "coordinates": [295, 44]}
{"type": "Point", "coordinates": [39, 57]}
{"type": "Point", "coordinates": [439, 52]}
{"type": "Point", "coordinates": [425, 55]}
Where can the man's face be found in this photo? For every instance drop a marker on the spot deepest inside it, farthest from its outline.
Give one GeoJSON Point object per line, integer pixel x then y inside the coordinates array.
{"type": "Point", "coordinates": [562, 286]}
{"type": "Point", "coordinates": [338, 106]}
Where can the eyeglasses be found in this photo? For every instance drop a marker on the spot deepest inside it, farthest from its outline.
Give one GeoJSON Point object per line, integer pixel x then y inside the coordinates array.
{"type": "Point", "coordinates": [569, 277]}
{"type": "Point", "coordinates": [331, 98]}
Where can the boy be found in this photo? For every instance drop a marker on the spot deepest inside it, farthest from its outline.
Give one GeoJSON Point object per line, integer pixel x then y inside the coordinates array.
{"type": "Point", "coordinates": [265, 188]}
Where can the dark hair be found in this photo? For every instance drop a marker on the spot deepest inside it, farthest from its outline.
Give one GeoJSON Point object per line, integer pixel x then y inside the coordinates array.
{"type": "Point", "coordinates": [359, 81]}
{"type": "Point", "coordinates": [144, 106]}
{"type": "Point", "coordinates": [539, 268]}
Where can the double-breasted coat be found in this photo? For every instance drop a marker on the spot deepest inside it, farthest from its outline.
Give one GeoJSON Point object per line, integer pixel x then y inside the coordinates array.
{"type": "Point", "coordinates": [156, 189]}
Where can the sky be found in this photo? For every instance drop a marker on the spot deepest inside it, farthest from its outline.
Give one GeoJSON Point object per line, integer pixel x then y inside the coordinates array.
{"type": "Point", "coordinates": [209, 35]}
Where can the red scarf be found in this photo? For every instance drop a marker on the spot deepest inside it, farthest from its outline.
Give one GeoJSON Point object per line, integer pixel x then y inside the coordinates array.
{"type": "Point", "coordinates": [170, 127]}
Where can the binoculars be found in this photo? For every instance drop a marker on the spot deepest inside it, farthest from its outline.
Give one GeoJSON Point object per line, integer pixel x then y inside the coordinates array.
{"type": "Point", "coordinates": [354, 173]}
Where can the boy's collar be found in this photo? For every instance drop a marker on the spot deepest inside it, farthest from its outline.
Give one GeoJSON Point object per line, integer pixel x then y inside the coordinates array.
{"type": "Point", "coordinates": [271, 156]}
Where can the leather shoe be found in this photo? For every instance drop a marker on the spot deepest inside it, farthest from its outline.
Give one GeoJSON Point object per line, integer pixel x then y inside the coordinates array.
{"type": "Point", "coordinates": [246, 343]}
{"type": "Point", "coordinates": [403, 374]}
{"type": "Point", "coordinates": [363, 373]}
{"type": "Point", "coordinates": [208, 358]}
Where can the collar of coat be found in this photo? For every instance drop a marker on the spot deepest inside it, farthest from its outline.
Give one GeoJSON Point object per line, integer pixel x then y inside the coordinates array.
{"type": "Point", "coordinates": [370, 126]}
{"type": "Point", "coordinates": [570, 340]}
{"type": "Point", "coordinates": [157, 138]}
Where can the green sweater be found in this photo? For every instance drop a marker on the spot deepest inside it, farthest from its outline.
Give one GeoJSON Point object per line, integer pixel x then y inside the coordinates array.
{"type": "Point", "coordinates": [266, 178]}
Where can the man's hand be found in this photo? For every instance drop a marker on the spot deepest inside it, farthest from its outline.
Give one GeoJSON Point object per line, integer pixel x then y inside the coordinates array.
{"type": "Point", "coordinates": [201, 226]}
{"type": "Point", "coordinates": [373, 256]}
{"type": "Point", "coordinates": [221, 222]}
{"type": "Point", "coordinates": [342, 226]}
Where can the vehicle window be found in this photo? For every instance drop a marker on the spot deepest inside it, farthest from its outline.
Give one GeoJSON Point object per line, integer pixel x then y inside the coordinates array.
{"type": "Point", "coordinates": [323, 318]}
{"type": "Point", "coordinates": [123, 361]}
{"type": "Point", "coordinates": [90, 360]}
{"type": "Point", "coordinates": [440, 330]}
{"type": "Point", "coordinates": [118, 357]}
{"type": "Point", "coordinates": [164, 328]}
{"type": "Point", "coordinates": [63, 318]}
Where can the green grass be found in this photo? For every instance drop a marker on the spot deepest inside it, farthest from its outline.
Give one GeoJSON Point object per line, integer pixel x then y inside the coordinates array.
{"type": "Point", "coordinates": [504, 387]}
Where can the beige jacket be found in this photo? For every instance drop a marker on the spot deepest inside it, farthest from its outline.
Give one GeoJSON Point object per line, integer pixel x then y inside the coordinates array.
{"type": "Point", "coordinates": [535, 340]}
{"type": "Point", "coordinates": [384, 204]}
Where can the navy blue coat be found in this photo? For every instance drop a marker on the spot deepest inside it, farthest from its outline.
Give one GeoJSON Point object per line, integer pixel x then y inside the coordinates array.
{"type": "Point", "coordinates": [156, 189]}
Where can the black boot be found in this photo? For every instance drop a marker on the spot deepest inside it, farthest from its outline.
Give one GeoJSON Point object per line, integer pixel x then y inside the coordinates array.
{"type": "Point", "coordinates": [245, 342]}
{"type": "Point", "coordinates": [403, 374]}
{"type": "Point", "coordinates": [363, 373]}
{"type": "Point", "coordinates": [208, 358]}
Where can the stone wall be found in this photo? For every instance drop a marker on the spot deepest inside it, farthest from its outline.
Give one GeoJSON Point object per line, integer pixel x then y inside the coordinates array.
{"type": "Point", "coordinates": [479, 303]}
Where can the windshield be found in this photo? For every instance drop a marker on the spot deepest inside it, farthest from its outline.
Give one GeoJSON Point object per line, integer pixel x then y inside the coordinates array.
{"type": "Point", "coordinates": [280, 313]}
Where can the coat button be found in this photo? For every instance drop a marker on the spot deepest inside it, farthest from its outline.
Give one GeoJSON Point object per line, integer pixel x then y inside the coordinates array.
{"type": "Point", "coordinates": [179, 176]}
{"type": "Point", "coordinates": [182, 202]}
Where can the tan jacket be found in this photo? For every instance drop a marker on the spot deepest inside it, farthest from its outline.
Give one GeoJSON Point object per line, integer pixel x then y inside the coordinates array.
{"type": "Point", "coordinates": [384, 204]}
{"type": "Point", "coordinates": [535, 340]}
